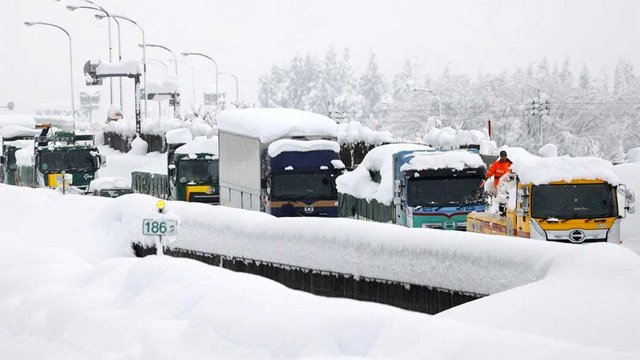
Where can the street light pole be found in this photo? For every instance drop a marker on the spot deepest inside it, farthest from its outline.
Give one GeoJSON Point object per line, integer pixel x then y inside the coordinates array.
{"type": "Point", "coordinates": [73, 102]}
{"type": "Point", "coordinates": [73, 8]}
{"type": "Point", "coordinates": [237, 90]}
{"type": "Point", "coordinates": [193, 81]}
{"type": "Point", "coordinates": [214, 64]}
{"type": "Point", "coordinates": [176, 101]}
{"type": "Point", "coordinates": [144, 53]}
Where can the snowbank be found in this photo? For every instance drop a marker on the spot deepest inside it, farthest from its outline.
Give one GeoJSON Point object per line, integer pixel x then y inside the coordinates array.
{"type": "Point", "coordinates": [359, 183]}
{"type": "Point", "coordinates": [138, 146]}
{"type": "Point", "coordinates": [448, 138]}
{"type": "Point", "coordinates": [273, 124]}
{"type": "Point", "coordinates": [353, 132]}
{"type": "Point", "coordinates": [200, 145]}
{"type": "Point", "coordinates": [633, 155]}
{"type": "Point", "coordinates": [83, 296]}
{"type": "Point", "coordinates": [536, 170]}
{"type": "Point", "coordinates": [11, 131]}
{"type": "Point", "coordinates": [160, 126]}
{"type": "Point", "coordinates": [110, 182]}
{"type": "Point", "coordinates": [17, 119]}
{"type": "Point", "coordinates": [122, 165]}
{"type": "Point", "coordinates": [127, 67]}
{"type": "Point", "coordinates": [458, 160]}
{"type": "Point", "coordinates": [548, 150]}
{"type": "Point", "coordinates": [178, 136]}
{"type": "Point", "coordinates": [279, 146]}
{"type": "Point", "coordinates": [24, 156]}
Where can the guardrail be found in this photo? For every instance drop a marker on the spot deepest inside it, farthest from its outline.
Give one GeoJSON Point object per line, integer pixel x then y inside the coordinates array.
{"type": "Point", "coordinates": [156, 185]}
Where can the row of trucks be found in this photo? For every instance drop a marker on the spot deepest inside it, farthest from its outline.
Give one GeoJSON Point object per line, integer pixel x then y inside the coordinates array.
{"type": "Point", "coordinates": [286, 163]}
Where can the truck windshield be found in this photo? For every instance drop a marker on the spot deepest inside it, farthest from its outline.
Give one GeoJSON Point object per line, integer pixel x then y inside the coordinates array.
{"type": "Point", "coordinates": [573, 201]}
{"type": "Point", "coordinates": [56, 161]}
{"type": "Point", "coordinates": [445, 191]}
{"type": "Point", "coordinates": [198, 171]}
{"type": "Point", "coordinates": [301, 184]}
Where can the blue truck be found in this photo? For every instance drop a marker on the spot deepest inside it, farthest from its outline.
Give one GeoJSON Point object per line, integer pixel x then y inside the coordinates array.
{"type": "Point", "coordinates": [415, 187]}
{"type": "Point", "coordinates": [280, 161]}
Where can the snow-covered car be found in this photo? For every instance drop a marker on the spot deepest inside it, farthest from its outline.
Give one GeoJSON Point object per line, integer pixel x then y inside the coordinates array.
{"type": "Point", "coordinates": [110, 187]}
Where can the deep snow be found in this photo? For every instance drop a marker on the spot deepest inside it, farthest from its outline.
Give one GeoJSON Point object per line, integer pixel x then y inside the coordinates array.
{"type": "Point", "coordinates": [71, 290]}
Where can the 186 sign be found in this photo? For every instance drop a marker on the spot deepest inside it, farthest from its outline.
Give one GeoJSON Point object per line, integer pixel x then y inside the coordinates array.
{"type": "Point", "coordinates": [159, 227]}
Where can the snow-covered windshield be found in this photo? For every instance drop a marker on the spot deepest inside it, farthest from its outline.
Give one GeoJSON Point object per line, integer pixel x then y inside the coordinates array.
{"type": "Point", "coordinates": [57, 161]}
{"type": "Point", "coordinates": [573, 201]}
{"type": "Point", "coordinates": [301, 184]}
{"type": "Point", "coordinates": [198, 171]}
{"type": "Point", "coordinates": [445, 191]}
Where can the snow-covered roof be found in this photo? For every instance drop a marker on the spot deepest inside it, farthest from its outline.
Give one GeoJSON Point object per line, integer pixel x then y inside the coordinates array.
{"type": "Point", "coordinates": [359, 183]}
{"type": "Point", "coordinates": [457, 159]}
{"type": "Point", "coordinates": [178, 136]}
{"type": "Point", "coordinates": [17, 119]}
{"type": "Point", "coordinates": [273, 124]}
{"type": "Point", "coordinates": [532, 169]}
{"type": "Point", "coordinates": [167, 85]}
{"type": "Point", "coordinates": [354, 132]}
{"type": "Point", "coordinates": [109, 182]}
{"type": "Point", "coordinates": [11, 131]}
{"type": "Point", "coordinates": [20, 144]}
{"type": "Point", "coordinates": [127, 67]}
{"type": "Point", "coordinates": [200, 145]}
{"type": "Point", "coordinates": [448, 138]}
{"type": "Point", "coordinates": [283, 145]}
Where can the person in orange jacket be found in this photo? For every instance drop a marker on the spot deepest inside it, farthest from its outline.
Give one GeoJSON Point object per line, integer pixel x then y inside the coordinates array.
{"type": "Point", "coordinates": [499, 168]}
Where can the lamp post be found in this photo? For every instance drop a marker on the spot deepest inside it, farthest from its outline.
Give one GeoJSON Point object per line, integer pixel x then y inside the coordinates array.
{"type": "Point", "coordinates": [144, 52]}
{"type": "Point", "coordinates": [214, 64]}
{"type": "Point", "coordinates": [162, 65]}
{"type": "Point", "coordinates": [176, 104]}
{"type": "Point", "coordinates": [236, 79]}
{"type": "Point", "coordinates": [73, 8]}
{"type": "Point", "coordinates": [193, 81]}
{"type": "Point", "coordinates": [73, 102]}
{"type": "Point", "coordinates": [437, 97]}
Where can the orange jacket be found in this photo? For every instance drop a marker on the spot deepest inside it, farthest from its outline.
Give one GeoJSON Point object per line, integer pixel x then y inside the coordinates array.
{"type": "Point", "coordinates": [498, 169]}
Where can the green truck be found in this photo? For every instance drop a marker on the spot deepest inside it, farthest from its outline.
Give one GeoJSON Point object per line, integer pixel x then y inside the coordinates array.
{"type": "Point", "coordinates": [191, 173]}
{"type": "Point", "coordinates": [64, 160]}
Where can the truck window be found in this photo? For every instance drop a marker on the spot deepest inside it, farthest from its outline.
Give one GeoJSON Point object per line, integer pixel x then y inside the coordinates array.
{"type": "Point", "coordinates": [299, 184]}
{"type": "Point", "coordinates": [444, 191]}
{"type": "Point", "coordinates": [57, 161]}
{"type": "Point", "coordinates": [198, 171]}
{"type": "Point", "coordinates": [574, 201]}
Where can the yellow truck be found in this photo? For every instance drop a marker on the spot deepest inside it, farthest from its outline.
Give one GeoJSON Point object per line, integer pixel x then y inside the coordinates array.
{"type": "Point", "coordinates": [570, 200]}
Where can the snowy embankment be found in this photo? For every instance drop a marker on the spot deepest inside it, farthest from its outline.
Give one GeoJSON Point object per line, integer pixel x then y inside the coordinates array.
{"type": "Point", "coordinates": [70, 292]}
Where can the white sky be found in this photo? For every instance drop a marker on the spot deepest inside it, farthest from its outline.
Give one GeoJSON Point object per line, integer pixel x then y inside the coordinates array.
{"type": "Point", "coordinates": [247, 37]}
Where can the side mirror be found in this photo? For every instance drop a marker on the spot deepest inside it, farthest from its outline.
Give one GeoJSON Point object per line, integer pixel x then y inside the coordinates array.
{"type": "Point", "coordinates": [630, 196]}
{"type": "Point", "coordinates": [103, 160]}
{"type": "Point", "coordinates": [631, 210]}
{"type": "Point", "coordinates": [172, 169]}
{"type": "Point", "coordinates": [263, 183]}
{"type": "Point", "coordinates": [396, 200]}
{"type": "Point", "coordinates": [3, 159]}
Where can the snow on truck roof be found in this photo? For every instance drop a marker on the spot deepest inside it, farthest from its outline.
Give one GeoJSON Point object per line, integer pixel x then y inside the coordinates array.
{"type": "Point", "coordinates": [283, 145]}
{"type": "Point", "coordinates": [354, 132]}
{"type": "Point", "coordinates": [458, 160]}
{"type": "Point", "coordinates": [11, 131]}
{"type": "Point", "coordinates": [178, 136]}
{"type": "Point", "coordinates": [276, 123]}
{"type": "Point", "coordinates": [532, 169]}
{"type": "Point", "coordinates": [359, 183]}
{"type": "Point", "coordinates": [17, 119]}
{"type": "Point", "coordinates": [200, 145]}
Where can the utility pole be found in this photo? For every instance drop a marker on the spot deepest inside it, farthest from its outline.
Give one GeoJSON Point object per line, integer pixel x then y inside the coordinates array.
{"type": "Point", "coordinates": [540, 108]}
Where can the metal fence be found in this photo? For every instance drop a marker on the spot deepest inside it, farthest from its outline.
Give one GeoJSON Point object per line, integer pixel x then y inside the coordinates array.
{"type": "Point", "coordinates": [425, 299]}
{"type": "Point", "coordinates": [151, 184]}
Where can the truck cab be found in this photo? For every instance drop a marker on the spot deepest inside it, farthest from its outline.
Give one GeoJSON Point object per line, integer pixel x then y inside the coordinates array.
{"type": "Point", "coordinates": [66, 153]}
{"type": "Point", "coordinates": [437, 189]}
{"type": "Point", "coordinates": [301, 183]}
{"type": "Point", "coordinates": [569, 211]}
{"type": "Point", "coordinates": [193, 171]}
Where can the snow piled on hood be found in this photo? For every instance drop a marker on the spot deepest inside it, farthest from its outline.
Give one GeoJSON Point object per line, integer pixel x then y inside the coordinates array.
{"type": "Point", "coordinates": [109, 182]}
{"type": "Point", "coordinates": [457, 159]}
{"type": "Point", "coordinates": [354, 132]}
{"type": "Point", "coordinates": [532, 169]}
{"type": "Point", "coordinates": [279, 146]}
{"type": "Point", "coordinates": [276, 123]}
{"type": "Point", "coordinates": [358, 182]}
{"type": "Point", "coordinates": [200, 145]}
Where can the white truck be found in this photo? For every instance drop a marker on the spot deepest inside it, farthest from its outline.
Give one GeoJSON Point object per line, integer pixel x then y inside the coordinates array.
{"type": "Point", "coordinates": [280, 161]}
